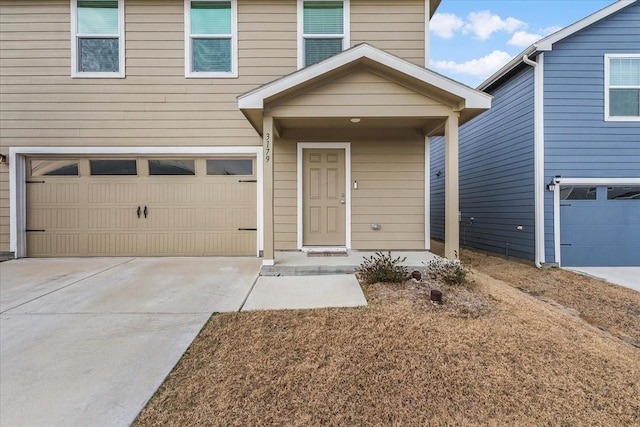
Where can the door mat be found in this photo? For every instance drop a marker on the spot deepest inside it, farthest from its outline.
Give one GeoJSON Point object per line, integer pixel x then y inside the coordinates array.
{"type": "Point", "coordinates": [325, 254]}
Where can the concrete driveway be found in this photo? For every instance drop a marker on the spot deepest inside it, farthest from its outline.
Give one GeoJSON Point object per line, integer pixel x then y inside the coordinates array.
{"type": "Point", "coordinates": [629, 277]}
{"type": "Point", "coordinates": [87, 342]}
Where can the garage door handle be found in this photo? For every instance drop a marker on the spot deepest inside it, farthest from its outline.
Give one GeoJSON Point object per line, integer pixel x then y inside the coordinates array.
{"type": "Point", "coordinates": [139, 211]}
{"type": "Point", "coordinates": [146, 211]}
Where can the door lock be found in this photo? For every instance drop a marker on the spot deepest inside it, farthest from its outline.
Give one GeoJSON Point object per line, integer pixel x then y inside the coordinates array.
{"type": "Point", "coordinates": [342, 199]}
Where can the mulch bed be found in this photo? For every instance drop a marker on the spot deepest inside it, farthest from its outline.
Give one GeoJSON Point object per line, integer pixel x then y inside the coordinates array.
{"type": "Point", "coordinates": [491, 355]}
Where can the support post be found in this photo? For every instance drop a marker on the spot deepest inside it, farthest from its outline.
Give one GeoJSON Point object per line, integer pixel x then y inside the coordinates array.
{"type": "Point", "coordinates": [267, 158]}
{"type": "Point", "coordinates": [451, 189]}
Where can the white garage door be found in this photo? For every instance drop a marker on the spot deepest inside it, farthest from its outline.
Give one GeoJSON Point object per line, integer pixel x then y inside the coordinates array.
{"type": "Point", "coordinates": [141, 207]}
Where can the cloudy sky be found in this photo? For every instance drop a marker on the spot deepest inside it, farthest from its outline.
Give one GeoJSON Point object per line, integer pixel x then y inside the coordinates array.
{"type": "Point", "coordinates": [471, 39]}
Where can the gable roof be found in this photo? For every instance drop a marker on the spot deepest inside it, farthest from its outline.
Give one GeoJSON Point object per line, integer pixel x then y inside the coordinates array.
{"type": "Point", "coordinates": [470, 98]}
{"type": "Point", "coordinates": [546, 44]}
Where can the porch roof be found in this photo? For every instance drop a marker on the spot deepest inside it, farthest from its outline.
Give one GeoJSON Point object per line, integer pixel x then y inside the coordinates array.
{"type": "Point", "coordinates": [459, 97]}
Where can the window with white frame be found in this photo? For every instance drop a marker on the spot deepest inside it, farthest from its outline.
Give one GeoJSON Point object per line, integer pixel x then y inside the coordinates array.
{"type": "Point", "coordinates": [323, 30]}
{"type": "Point", "coordinates": [622, 87]}
{"type": "Point", "coordinates": [97, 38]}
{"type": "Point", "coordinates": [211, 38]}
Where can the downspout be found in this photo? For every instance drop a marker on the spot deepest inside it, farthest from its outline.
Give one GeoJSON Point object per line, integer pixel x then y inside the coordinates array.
{"type": "Point", "coordinates": [538, 156]}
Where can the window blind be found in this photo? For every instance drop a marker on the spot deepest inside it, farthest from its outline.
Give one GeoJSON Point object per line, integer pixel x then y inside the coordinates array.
{"type": "Point", "coordinates": [323, 17]}
{"type": "Point", "coordinates": [211, 17]}
{"type": "Point", "coordinates": [98, 17]}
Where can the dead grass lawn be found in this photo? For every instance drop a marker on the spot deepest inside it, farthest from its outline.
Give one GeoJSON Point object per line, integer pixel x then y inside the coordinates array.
{"type": "Point", "coordinates": [401, 361]}
{"type": "Point", "coordinates": [600, 303]}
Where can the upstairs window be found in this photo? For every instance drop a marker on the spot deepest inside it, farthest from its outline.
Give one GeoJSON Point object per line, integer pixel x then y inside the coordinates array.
{"type": "Point", "coordinates": [323, 30]}
{"type": "Point", "coordinates": [622, 87]}
{"type": "Point", "coordinates": [211, 38]}
{"type": "Point", "coordinates": [97, 44]}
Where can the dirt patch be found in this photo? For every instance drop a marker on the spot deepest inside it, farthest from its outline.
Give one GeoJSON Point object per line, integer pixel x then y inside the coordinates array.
{"type": "Point", "coordinates": [609, 307]}
{"type": "Point", "coordinates": [402, 362]}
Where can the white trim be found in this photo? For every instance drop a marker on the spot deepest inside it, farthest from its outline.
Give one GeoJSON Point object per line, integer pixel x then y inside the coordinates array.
{"type": "Point", "coordinates": [598, 182]}
{"type": "Point", "coordinates": [594, 182]}
{"type": "Point", "coordinates": [427, 34]}
{"type": "Point", "coordinates": [234, 44]}
{"type": "Point", "coordinates": [17, 178]}
{"type": "Point", "coordinates": [547, 43]}
{"type": "Point", "coordinates": [427, 192]}
{"type": "Point", "coordinates": [556, 225]}
{"type": "Point", "coordinates": [74, 45]}
{"type": "Point", "coordinates": [346, 27]}
{"type": "Point", "coordinates": [472, 98]}
{"type": "Point", "coordinates": [346, 146]}
{"type": "Point", "coordinates": [607, 58]}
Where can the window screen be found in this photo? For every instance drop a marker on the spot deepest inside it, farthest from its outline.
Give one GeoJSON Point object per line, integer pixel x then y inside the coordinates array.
{"type": "Point", "coordinates": [211, 36]}
{"type": "Point", "coordinates": [97, 36]}
{"type": "Point", "coordinates": [624, 87]}
{"type": "Point", "coordinates": [323, 27]}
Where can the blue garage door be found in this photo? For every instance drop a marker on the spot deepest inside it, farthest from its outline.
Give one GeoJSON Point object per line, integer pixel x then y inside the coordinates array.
{"type": "Point", "coordinates": [600, 226]}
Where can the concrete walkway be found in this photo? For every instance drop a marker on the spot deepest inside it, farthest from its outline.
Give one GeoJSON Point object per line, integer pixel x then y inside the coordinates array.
{"type": "Point", "coordinates": [629, 277]}
{"type": "Point", "coordinates": [86, 342]}
{"type": "Point", "coordinates": [304, 292]}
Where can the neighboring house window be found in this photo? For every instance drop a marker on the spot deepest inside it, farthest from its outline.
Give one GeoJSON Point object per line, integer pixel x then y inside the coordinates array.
{"type": "Point", "coordinates": [211, 38]}
{"type": "Point", "coordinates": [622, 87]}
{"type": "Point", "coordinates": [97, 44]}
{"type": "Point", "coordinates": [323, 30]}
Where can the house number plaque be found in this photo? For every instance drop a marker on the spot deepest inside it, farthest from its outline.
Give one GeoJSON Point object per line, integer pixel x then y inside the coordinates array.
{"type": "Point", "coordinates": [267, 153]}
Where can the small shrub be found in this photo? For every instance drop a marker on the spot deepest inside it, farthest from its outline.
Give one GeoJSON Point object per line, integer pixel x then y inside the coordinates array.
{"type": "Point", "coordinates": [382, 268]}
{"type": "Point", "coordinates": [448, 271]}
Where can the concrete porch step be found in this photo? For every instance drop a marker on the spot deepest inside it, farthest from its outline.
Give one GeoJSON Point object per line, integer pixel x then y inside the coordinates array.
{"type": "Point", "coordinates": [295, 263]}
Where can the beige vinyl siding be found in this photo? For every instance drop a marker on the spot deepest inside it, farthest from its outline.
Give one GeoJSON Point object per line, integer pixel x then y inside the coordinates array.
{"type": "Point", "coordinates": [390, 192]}
{"type": "Point", "coordinates": [394, 26]}
{"type": "Point", "coordinates": [155, 105]}
{"type": "Point", "coordinates": [360, 93]}
{"type": "Point", "coordinates": [285, 194]}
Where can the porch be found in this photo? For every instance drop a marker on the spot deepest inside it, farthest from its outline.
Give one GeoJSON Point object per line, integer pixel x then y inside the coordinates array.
{"type": "Point", "coordinates": [298, 263]}
{"type": "Point", "coordinates": [346, 157]}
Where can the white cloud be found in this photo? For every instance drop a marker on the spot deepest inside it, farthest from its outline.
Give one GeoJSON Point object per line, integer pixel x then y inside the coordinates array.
{"type": "Point", "coordinates": [523, 39]}
{"type": "Point", "coordinates": [484, 23]}
{"type": "Point", "coordinates": [481, 67]}
{"type": "Point", "coordinates": [550, 30]}
{"type": "Point", "coordinates": [445, 24]}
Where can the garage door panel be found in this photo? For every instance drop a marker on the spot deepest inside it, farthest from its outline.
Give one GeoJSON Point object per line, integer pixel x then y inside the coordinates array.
{"type": "Point", "coordinates": [186, 218]}
{"type": "Point", "coordinates": [217, 218]}
{"type": "Point", "coordinates": [68, 244]}
{"type": "Point", "coordinates": [600, 232]}
{"type": "Point", "coordinates": [215, 192]}
{"type": "Point", "coordinates": [127, 244]}
{"type": "Point", "coordinates": [99, 244]}
{"type": "Point", "coordinates": [98, 215]}
{"type": "Point", "coordinates": [243, 218]}
{"type": "Point", "coordinates": [185, 243]}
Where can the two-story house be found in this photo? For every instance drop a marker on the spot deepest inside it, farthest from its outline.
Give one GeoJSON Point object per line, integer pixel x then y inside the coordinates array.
{"type": "Point", "coordinates": [552, 172]}
{"type": "Point", "coordinates": [238, 127]}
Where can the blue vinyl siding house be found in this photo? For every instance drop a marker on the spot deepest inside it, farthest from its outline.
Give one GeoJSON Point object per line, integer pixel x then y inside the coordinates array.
{"type": "Point", "coordinates": [552, 172]}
